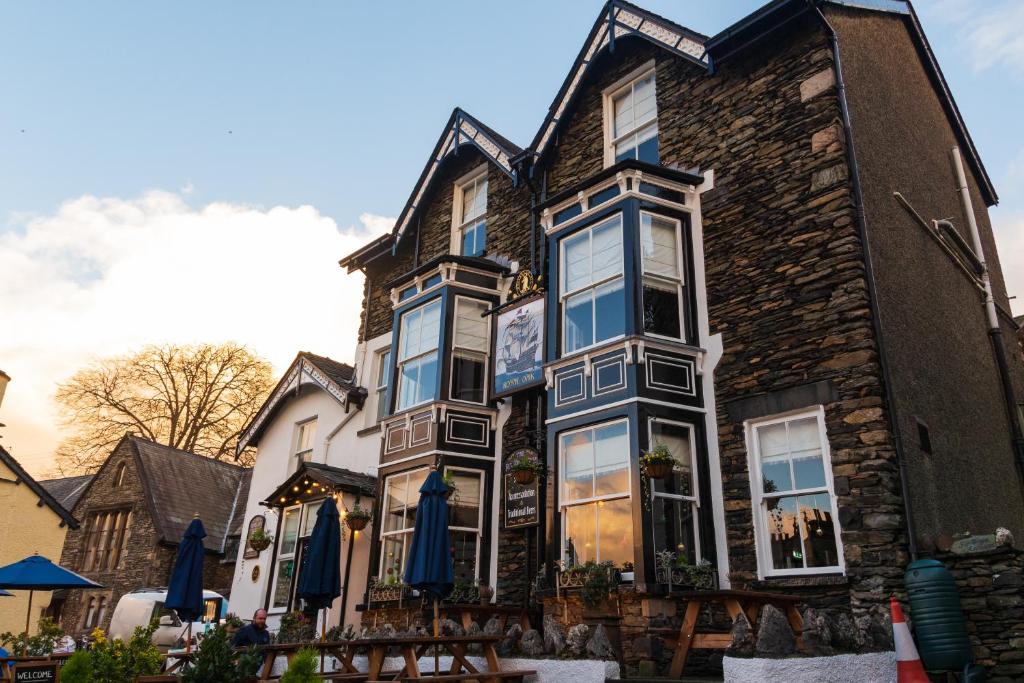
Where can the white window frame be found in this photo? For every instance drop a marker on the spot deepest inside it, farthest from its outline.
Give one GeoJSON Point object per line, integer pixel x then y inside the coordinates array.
{"type": "Point", "coordinates": [456, 349]}
{"type": "Point", "coordinates": [564, 296]}
{"type": "Point", "coordinates": [406, 534]}
{"type": "Point", "coordinates": [460, 222]}
{"type": "Point", "coordinates": [463, 471]}
{"type": "Point", "coordinates": [680, 282]}
{"type": "Point", "coordinates": [382, 363]}
{"type": "Point", "coordinates": [297, 454]}
{"type": "Point", "coordinates": [765, 568]}
{"type": "Point", "coordinates": [435, 349]}
{"type": "Point", "coordinates": [563, 505]}
{"type": "Point", "coordinates": [282, 556]}
{"type": "Point", "coordinates": [694, 500]}
{"type": "Point", "coordinates": [608, 98]}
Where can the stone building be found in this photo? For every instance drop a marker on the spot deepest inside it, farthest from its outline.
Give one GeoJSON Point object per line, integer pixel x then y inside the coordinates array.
{"type": "Point", "coordinates": [725, 246]}
{"type": "Point", "coordinates": [134, 512]}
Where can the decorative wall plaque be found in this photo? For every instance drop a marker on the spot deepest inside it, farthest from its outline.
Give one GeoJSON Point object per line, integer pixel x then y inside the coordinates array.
{"type": "Point", "coordinates": [255, 573]}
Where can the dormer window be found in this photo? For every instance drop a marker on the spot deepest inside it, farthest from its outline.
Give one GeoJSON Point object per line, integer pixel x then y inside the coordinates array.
{"type": "Point", "coordinates": [469, 219]}
{"type": "Point", "coordinates": [631, 119]}
{"type": "Point", "coordinates": [417, 355]}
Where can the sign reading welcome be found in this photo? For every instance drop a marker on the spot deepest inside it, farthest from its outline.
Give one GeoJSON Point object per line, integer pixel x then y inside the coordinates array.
{"type": "Point", "coordinates": [33, 672]}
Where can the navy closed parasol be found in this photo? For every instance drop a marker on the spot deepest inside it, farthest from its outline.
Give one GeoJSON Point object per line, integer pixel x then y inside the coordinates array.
{"type": "Point", "coordinates": [185, 592]}
{"type": "Point", "coordinates": [429, 566]}
{"type": "Point", "coordinates": [320, 575]}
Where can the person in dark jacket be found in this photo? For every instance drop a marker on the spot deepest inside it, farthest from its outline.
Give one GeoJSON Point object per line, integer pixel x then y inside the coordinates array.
{"type": "Point", "coordinates": [255, 633]}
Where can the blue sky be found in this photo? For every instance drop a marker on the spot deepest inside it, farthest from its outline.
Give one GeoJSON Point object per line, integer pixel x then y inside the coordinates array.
{"type": "Point", "coordinates": [192, 171]}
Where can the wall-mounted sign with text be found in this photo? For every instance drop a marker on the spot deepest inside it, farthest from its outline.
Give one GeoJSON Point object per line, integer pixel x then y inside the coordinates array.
{"type": "Point", "coordinates": [522, 501]}
{"type": "Point", "coordinates": [36, 672]}
{"type": "Point", "coordinates": [519, 346]}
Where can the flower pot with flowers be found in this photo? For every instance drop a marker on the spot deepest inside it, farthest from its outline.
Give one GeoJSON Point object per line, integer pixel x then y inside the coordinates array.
{"type": "Point", "coordinates": [658, 462]}
{"type": "Point", "coordinates": [525, 468]}
{"type": "Point", "coordinates": [260, 540]}
{"type": "Point", "coordinates": [357, 518]}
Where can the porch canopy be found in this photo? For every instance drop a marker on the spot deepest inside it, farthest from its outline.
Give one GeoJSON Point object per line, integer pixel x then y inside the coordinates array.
{"type": "Point", "coordinates": [314, 480]}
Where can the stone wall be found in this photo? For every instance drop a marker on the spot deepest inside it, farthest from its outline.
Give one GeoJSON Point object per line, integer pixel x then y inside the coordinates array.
{"type": "Point", "coordinates": [991, 584]}
{"type": "Point", "coordinates": [785, 274]}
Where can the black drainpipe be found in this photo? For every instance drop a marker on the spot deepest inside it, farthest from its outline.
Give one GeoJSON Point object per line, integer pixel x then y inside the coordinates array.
{"type": "Point", "coordinates": [876, 319]}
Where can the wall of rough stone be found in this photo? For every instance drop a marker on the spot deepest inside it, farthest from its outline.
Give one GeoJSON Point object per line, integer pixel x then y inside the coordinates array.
{"type": "Point", "coordinates": [785, 274]}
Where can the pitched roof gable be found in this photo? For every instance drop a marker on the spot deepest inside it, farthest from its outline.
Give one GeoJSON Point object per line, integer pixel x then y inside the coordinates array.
{"type": "Point", "coordinates": [67, 490]}
{"type": "Point", "coordinates": [333, 377]}
{"type": "Point", "coordinates": [45, 497]}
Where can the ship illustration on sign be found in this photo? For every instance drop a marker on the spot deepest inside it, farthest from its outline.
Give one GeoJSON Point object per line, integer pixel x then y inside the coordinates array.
{"type": "Point", "coordinates": [519, 347]}
{"type": "Point", "coordinates": [521, 342]}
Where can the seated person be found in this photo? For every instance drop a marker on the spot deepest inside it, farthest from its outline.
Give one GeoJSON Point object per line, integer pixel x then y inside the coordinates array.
{"type": "Point", "coordinates": [255, 633]}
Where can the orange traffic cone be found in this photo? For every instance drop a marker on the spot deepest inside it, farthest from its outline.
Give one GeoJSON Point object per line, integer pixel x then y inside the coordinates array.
{"type": "Point", "coordinates": [908, 663]}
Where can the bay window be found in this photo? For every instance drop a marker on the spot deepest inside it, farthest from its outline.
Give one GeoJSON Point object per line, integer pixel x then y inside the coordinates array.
{"type": "Point", "coordinates": [470, 215]}
{"type": "Point", "coordinates": [466, 522]}
{"type": "Point", "coordinates": [632, 128]}
{"type": "Point", "coordinates": [470, 344]}
{"type": "Point", "coordinates": [674, 500]}
{"type": "Point", "coordinates": [592, 290]}
{"type": "Point", "coordinates": [417, 355]}
{"type": "Point", "coordinates": [793, 496]}
{"type": "Point", "coordinates": [594, 480]}
{"type": "Point", "coordinates": [661, 263]}
{"type": "Point", "coordinates": [401, 496]}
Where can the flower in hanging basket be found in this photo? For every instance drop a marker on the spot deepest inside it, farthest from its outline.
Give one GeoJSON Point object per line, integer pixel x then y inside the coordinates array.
{"type": "Point", "coordinates": [525, 468]}
{"type": "Point", "coordinates": [449, 482]}
{"type": "Point", "coordinates": [260, 540]}
{"type": "Point", "coordinates": [357, 518]}
{"type": "Point", "coordinates": [658, 462]}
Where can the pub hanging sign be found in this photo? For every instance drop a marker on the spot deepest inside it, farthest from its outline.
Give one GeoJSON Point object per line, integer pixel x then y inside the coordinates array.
{"type": "Point", "coordinates": [519, 338]}
{"type": "Point", "coordinates": [522, 501]}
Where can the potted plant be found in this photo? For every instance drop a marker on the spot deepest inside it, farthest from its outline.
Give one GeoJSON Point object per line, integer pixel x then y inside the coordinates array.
{"type": "Point", "coordinates": [232, 622]}
{"type": "Point", "coordinates": [657, 463]}
{"type": "Point", "coordinates": [260, 540]}
{"type": "Point", "coordinates": [525, 468]}
{"type": "Point", "coordinates": [357, 518]}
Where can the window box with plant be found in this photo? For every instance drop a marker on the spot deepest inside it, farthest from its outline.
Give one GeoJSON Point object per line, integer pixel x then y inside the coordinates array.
{"type": "Point", "coordinates": [526, 468]}
{"type": "Point", "coordinates": [357, 518]}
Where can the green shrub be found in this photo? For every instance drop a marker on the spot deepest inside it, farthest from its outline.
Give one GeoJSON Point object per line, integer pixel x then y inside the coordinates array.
{"type": "Point", "coordinates": [302, 668]}
{"type": "Point", "coordinates": [39, 645]}
{"type": "Point", "coordinates": [217, 661]}
{"type": "Point", "coordinates": [78, 669]}
{"type": "Point", "coordinates": [115, 661]}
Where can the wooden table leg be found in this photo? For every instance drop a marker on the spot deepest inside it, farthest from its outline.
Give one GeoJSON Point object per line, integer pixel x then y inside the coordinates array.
{"type": "Point", "coordinates": [459, 660]}
{"type": "Point", "coordinates": [467, 619]}
{"type": "Point", "coordinates": [492, 657]}
{"type": "Point", "coordinates": [685, 638]}
{"type": "Point", "coordinates": [524, 621]}
{"type": "Point", "coordinates": [733, 608]}
{"type": "Point", "coordinates": [796, 622]}
{"type": "Point", "coordinates": [268, 665]}
{"type": "Point", "coordinates": [752, 613]}
{"type": "Point", "coordinates": [412, 665]}
{"type": "Point", "coordinates": [376, 661]}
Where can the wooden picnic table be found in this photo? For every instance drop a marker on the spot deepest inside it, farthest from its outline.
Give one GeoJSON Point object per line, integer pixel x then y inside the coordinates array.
{"type": "Point", "coordinates": [735, 602]}
{"type": "Point", "coordinates": [411, 649]}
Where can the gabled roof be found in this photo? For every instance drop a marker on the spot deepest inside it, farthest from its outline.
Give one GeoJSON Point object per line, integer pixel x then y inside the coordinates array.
{"type": "Point", "coordinates": [180, 485]}
{"type": "Point", "coordinates": [67, 490]}
{"type": "Point", "coordinates": [331, 478]}
{"type": "Point", "coordinates": [337, 379]}
{"type": "Point", "coordinates": [460, 130]}
{"type": "Point", "coordinates": [45, 497]}
{"type": "Point", "coordinates": [618, 19]}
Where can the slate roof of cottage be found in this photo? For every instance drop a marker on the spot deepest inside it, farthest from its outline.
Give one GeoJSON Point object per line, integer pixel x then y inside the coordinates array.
{"type": "Point", "coordinates": [342, 373]}
{"type": "Point", "coordinates": [242, 497]}
{"type": "Point", "coordinates": [45, 497]}
{"type": "Point", "coordinates": [67, 490]}
{"type": "Point", "coordinates": [180, 485]}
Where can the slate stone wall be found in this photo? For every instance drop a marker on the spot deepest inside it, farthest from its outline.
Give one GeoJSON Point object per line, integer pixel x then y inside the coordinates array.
{"type": "Point", "coordinates": [785, 276]}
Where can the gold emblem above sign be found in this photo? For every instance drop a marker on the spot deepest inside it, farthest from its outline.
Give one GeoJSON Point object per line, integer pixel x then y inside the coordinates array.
{"type": "Point", "coordinates": [525, 283]}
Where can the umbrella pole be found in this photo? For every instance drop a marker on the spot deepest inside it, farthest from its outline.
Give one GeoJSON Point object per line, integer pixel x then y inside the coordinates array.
{"type": "Point", "coordinates": [28, 620]}
{"type": "Point", "coordinates": [323, 637]}
{"type": "Point", "coordinates": [188, 639]}
{"type": "Point", "coordinates": [437, 634]}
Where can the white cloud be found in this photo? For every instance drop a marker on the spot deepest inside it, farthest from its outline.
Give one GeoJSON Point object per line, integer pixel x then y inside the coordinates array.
{"type": "Point", "coordinates": [987, 31]}
{"type": "Point", "coordinates": [1009, 233]}
{"type": "Point", "coordinates": [103, 276]}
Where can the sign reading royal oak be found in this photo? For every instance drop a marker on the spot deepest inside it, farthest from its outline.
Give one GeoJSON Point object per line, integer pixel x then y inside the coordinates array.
{"type": "Point", "coordinates": [522, 501]}
{"type": "Point", "coordinates": [519, 338]}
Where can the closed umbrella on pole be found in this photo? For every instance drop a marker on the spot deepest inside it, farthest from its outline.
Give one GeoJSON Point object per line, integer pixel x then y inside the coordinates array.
{"type": "Point", "coordinates": [36, 573]}
{"type": "Point", "coordinates": [185, 591]}
{"type": "Point", "coordinates": [429, 567]}
{"type": "Point", "coordinates": [320, 574]}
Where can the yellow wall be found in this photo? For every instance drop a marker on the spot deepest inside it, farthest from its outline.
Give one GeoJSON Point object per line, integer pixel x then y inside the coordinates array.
{"type": "Point", "coordinates": [25, 528]}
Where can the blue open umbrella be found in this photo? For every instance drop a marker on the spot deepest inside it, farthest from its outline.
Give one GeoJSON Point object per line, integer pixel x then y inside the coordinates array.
{"type": "Point", "coordinates": [36, 573]}
{"type": "Point", "coordinates": [428, 567]}
{"type": "Point", "coordinates": [185, 591]}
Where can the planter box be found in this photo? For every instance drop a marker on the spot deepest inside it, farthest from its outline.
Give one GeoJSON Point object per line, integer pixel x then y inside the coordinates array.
{"type": "Point", "coordinates": [877, 667]}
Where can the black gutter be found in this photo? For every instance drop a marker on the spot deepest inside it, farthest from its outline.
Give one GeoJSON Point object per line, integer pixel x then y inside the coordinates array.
{"type": "Point", "coordinates": [876, 318]}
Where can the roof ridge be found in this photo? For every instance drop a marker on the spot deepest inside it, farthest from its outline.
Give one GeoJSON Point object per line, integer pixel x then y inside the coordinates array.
{"type": "Point", "coordinates": [136, 438]}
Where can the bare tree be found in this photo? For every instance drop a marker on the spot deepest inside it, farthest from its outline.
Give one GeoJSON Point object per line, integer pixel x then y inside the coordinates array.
{"type": "Point", "coordinates": [196, 398]}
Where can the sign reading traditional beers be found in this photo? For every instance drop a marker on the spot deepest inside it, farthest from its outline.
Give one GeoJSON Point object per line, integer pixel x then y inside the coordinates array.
{"type": "Point", "coordinates": [522, 501]}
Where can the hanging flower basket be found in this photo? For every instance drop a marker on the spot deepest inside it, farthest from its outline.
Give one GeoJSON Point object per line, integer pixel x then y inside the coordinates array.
{"type": "Point", "coordinates": [658, 462]}
{"type": "Point", "coordinates": [658, 470]}
{"type": "Point", "coordinates": [357, 518]}
{"type": "Point", "coordinates": [524, 477]}
{"type": "Point", "coordinates": [259, 540]}
{"type": "Point", "coordinates": [525, 467]}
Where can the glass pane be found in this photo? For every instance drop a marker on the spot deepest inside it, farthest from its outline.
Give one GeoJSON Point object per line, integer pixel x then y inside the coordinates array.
{"type": "Point", "coordinates": [644, 101]}
{"type": "Point", "coordinates": [615, 531]}
{"type": "Point", "coordinates": [661, 309]}
{"type": "Point", "coordinates": [647, 149]}
{"type": "Point", "coordinates": [464, 548]}
{"type": "Point", "coordinates": [409, 343]}
{"type": "Point", "coordinates": [609, 310]}
{"type": "Point", "coordinates": [659, 246]}
{"type": "Point", "coordinates": [427, 388]}
{"type": "Point", "coordinates": [809, 472]}
{"type": "Point", "coordinates": [818, 530]}
{"type": "Point", "coordinates": [289, 530]}
{"type": "Point", "coordinates": [465, 504]}
{"type": "Point", "coordinates": [783, 533]}
{"type": "Point", "coordinates": [611, 454]}
{"type": "Point", "coordinates": [470, 325]}
{"type": "Point", "coordinates": [392, 557]}
{"type": "Point", "coordinates": [772, 440]}
{"type": "Point", "coordinates": [310, 520]}
{"type": "Point", "coordinates": [677, 439]}
{"type": "Point", "coordinates": [626, 149]}
{"type": "Point", "coordinates": [431, 326]}
{"type": "Point", "coordinates": [674, 527]}
{"type": "Point", "coordinates": [804, 437]}
{"type": "Point", "coordinates": [579, 321]}
{"type": "Point", "coordinates": [306, 432]}
{"type": "Point", "coordinates": [416, 480]}
{"type": "Point", "coordinates": [283, 582]}
{"type": "Point", "coordinates": [578, 465]}
{"type": "Point", "coordinates": [394, 502]}
{"type": "Point", "coordinates": [581, 533]}
{"type": "Point", "coordinates": [467, 377]}
{"type": "Point", "coordinates": [623, 111]}
{"type": "Point", "coordinates": [384, 360]}
{"type": "Point", "coordinates": [775, 476]}
{"type": "Point", "coordinates": [576, 255]}
{"type": "Point", "coordinates": [409, 385]}
{"type": "Point", "coordinates": [468, 243]}
{"type": "Point", "coordinates": [607, 250]}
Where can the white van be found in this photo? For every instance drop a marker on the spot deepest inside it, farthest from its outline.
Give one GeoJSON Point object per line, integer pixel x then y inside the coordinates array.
{"type": "Point", "coordinates": [140, 607]}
